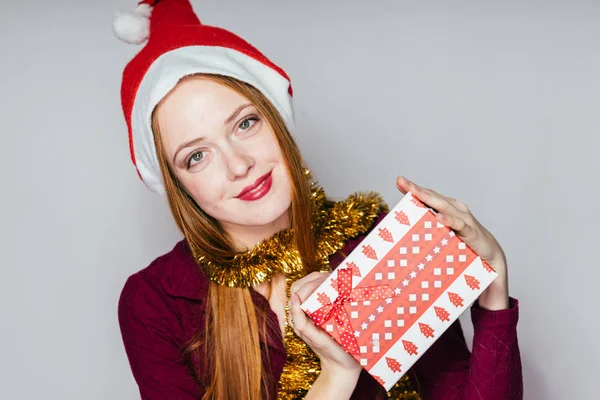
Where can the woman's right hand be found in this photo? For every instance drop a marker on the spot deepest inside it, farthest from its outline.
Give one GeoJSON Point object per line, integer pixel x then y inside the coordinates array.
{"type": "Point", "coordinates": [339, 370]}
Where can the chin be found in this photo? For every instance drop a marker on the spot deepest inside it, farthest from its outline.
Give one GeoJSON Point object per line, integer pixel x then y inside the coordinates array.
{"type": "Point", "coordinates": [273, 210]}
{"type": "Point", "coordinates": [267, 215]}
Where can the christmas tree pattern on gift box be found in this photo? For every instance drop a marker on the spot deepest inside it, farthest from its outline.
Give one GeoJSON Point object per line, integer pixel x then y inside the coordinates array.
{"type": "Point", "coordinates": [472, 282]}
{"type": "Point", "coordinates": [426, 330]}
{"type": "Point", "coordinates": [419, 269]}
{"type": "Point", "coordinates": [442, 313]}
{"type": "Point", "coordinates": [393, 364]}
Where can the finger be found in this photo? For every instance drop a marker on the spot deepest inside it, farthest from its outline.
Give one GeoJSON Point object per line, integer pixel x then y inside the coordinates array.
{"type": "Point", "coordinates": [403, 184]}
{"type": "Point", "coordinates": [448, 206]}
{"type": "Point", "coordinates": [303, 325]}
{"type": "Point", "coordinates": [459, 205]}
{"type": "Point", "coordinates": [464, 211]}
{"type": "Point", "coordinates": [312, 280]}
{"type": "Point", "coordinates": [435, 200]}
{"type": "Point", "coordinates": [458, 225]}
{"type": "Point", "coordinates": [307, 279]}
{"type": "Point", "coordinates": [309, 287]}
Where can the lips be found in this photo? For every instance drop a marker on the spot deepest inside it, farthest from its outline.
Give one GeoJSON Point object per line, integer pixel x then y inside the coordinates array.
{"type": "Point", "coordinates": [257, 190]}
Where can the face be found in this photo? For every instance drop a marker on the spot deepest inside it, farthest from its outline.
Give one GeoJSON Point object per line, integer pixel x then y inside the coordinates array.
{"type": "Point", "coordinates": [224, 153]}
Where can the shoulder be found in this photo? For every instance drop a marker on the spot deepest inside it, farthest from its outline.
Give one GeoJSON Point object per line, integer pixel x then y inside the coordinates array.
{"type": "Point", "coordinates": [157, 321]}
{"type": "Point", "coordinates": [170, 276]}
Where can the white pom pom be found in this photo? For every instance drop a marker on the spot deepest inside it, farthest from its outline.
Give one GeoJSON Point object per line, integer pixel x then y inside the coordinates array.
{"type": "Point", "coordinates": [133, 27]}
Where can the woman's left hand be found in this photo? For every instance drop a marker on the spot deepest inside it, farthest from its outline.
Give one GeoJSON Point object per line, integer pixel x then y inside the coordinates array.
{"type": "Point", "coordinates": [457, 216]}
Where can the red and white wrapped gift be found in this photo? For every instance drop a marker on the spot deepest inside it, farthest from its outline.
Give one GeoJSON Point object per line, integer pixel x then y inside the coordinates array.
{"type": "Point", "coordinates": [399, 290]}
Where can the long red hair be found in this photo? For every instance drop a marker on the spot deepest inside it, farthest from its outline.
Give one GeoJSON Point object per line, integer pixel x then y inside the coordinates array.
{"type": "Point", "coordinates": [228, 342]}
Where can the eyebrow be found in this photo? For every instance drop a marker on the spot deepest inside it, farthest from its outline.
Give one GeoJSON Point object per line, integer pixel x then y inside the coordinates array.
{"type": "Point", "coordinates": [185, 145]}
{"type": "Point", "coordinates": [199, 139]}
{"type": "Point", "coordinates": [236, 113]}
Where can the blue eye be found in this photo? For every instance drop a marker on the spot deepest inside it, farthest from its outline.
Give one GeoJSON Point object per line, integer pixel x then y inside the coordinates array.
{"type": "Point", "coordinates": [195, 158]}
{"type": "Point", "coordinates": [247, 123]}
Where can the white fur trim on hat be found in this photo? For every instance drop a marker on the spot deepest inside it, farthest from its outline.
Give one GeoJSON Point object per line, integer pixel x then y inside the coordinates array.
{"type": "Point", "coordinates": [169, 68]}
{"type": "Point", "coordinates": [133, 27]}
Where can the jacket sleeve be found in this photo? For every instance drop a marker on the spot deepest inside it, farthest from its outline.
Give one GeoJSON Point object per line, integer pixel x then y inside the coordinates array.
{"type": "Point", "coordinates": [147, 324]}
{"type": "Point", "coordinates": [492, 371]}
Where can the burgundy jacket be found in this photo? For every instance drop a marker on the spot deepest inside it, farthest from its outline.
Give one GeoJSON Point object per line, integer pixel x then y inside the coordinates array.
{"type": "Point", "coordinates": [162, 306]}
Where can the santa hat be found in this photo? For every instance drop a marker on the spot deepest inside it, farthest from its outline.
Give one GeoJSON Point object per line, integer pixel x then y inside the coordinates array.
{"type": "Point", "coordinates": [178, 44]}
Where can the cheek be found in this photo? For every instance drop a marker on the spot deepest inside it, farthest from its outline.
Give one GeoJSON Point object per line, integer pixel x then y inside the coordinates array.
{"type": "Point", "coordinates": [270, 149]}
{"type": "Point", "coordinates": [206, 192]}
{"type": "Point", "coordinates": [272, 155]}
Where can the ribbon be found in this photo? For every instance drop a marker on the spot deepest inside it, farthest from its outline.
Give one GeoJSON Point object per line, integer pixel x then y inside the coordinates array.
{"type": "Point", "coordinates": [335, 310]}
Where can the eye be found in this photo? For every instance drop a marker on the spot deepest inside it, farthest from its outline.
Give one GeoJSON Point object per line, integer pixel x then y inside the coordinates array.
{"type": "Point", "coordinates": [195, 158]}
{"type": "Point", "coordinates": [247, 123]}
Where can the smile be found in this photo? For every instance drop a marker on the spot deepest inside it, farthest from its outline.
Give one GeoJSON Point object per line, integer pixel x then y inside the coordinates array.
{"type": "Point", "coordinates": [257, 190]}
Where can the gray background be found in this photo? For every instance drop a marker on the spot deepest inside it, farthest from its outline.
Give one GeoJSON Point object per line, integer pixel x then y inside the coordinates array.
{"type": "Point", "coordinates": [494, 103]}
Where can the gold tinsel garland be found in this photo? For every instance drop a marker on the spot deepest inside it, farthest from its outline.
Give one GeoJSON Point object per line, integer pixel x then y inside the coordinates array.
{"type": "Point", "coordinates": [334, 224]}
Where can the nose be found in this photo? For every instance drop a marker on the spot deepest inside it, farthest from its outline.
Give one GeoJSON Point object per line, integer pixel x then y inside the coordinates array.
{"type": "Point", "coordinates": [238, 162]}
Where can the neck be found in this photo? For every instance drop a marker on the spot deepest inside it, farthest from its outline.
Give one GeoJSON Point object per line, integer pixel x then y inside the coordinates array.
{"type": "Point", "coordinates": [245, 237]}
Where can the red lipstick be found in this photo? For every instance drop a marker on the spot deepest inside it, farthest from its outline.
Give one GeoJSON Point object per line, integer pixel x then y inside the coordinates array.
{"type": "Point", "coordinates": [258, 189]}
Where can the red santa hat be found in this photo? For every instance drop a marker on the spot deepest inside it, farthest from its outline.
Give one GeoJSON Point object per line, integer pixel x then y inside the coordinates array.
{"type": "Point", "coordinates": [178, 45]}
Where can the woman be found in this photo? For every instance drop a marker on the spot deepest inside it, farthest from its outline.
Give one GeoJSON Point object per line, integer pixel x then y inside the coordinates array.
{"type": "Point", "coordinates": [210, 122]}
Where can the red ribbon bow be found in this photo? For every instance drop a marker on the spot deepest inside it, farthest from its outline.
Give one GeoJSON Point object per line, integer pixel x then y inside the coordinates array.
{"type": "Point", "coordinates": [339, 314]}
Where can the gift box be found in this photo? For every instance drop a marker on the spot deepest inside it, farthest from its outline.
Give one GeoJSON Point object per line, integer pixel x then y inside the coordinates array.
{"type": "Point", "coordinates": [399, 290]}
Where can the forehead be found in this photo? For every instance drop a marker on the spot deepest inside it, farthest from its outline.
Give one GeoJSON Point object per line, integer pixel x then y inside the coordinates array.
{"type": "Point", "coordinates": [200, 93]}
{"type": "Point", "coordinates": [197, 106]}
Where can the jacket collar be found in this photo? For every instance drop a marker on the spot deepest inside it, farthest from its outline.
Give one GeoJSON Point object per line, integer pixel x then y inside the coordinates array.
{"type": "Point", "coordinates": [184, 278]}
